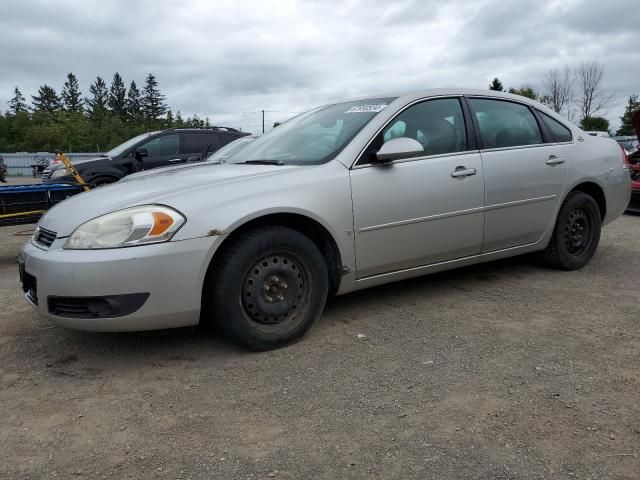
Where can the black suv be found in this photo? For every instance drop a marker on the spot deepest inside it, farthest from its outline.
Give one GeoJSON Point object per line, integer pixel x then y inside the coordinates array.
{"type": "Point", "coordinates": [144, 152]}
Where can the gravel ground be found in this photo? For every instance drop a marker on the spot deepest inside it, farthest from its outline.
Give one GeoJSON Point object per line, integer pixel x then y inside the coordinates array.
{"type": "Point", "coordinates": [501, 371]}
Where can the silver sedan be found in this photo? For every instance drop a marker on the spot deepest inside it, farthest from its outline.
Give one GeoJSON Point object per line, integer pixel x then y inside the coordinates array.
{"type": "Point", "coordinates": [343, 197]}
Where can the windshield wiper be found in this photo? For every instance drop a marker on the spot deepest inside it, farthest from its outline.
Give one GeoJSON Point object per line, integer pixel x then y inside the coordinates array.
{"type": "Point", "coordinates": [263, 162]}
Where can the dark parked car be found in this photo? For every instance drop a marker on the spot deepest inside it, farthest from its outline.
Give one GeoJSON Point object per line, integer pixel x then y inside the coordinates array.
{"type": "Point", "coordinates": [144, 152]}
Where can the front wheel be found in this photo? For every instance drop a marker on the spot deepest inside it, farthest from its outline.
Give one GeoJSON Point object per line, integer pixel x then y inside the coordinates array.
{"type": "Point", "coordinates": [101, 181]}
{"type": "Point", "coordinates": [576, 234]}
{"type": "Point", "coordinates": [267, 288]}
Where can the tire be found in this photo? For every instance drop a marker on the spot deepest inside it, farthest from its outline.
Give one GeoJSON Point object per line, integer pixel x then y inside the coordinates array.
{"type": "Point", "coordinates": [576, 234]}
{"type": "Point", "coordinates": [267, 288]}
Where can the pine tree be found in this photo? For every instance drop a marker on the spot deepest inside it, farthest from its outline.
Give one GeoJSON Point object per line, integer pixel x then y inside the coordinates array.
{"type": "Point", "coordinates": [17, 103]}
{"type": "Point", "coordinates": [179, 122]}
{"type": "Point", "coordinates": [72, 122]}
{"type": "Point", "coordinates": [97, 104]}
{"type": "Point", "coordinates": [134, 102]}
{"type": "Point", "coordinates": [496, 85]}
{"type": "Point", "coordinates": [195, 121]}
{"type": "Point", "coordinates": [525, 91]}
{"type": "Point", "coordinates": [633, 105]}
{"type": "Point", "coordinates": [153, 105]}
{"type": "Point", "coordinates": [71, 96]}
{"type": "Point", "coordinates": [118, 97]}
{"type": "Point", "coordinates": [46, 101]}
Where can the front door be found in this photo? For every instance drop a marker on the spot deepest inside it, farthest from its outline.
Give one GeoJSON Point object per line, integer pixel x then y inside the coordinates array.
{"type": "Point", "coordinates": [163, 150]}
{"type": "Point", "coordinates": [421, 210]}
{"type": "Point", "coordinates": [524, 176]}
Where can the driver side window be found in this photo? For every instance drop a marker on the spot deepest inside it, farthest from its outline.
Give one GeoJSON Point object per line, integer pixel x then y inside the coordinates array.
{"type": "Point", "coordinates": [397, 129]}
{"type": "Point", "coordinates": [163, 146]}
{"type": "Point", "coordinates": [438, 125]}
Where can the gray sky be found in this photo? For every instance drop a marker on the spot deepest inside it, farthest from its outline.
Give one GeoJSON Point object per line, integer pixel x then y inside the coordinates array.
{"type": "Point", "coordinates": [226, 59]}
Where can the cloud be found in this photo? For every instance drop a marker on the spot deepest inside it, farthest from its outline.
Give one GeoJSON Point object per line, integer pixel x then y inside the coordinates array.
{"type": "Point", "coordinates": [230, 60]}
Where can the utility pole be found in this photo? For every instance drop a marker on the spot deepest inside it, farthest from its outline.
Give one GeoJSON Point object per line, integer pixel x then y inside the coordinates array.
{"type": "Point", "coordinates": [262, 121]}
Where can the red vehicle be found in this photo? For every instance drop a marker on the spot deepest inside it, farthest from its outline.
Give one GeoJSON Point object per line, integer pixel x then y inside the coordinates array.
{"type": "Point", "coordinates": [633, 160]}
{"type": "Point", "coordinates": [634, 165]}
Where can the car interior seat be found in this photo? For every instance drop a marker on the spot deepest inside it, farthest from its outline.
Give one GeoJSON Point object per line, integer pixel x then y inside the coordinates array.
{"type": "Point", "coordinates": [440, 137]}
{"type": "Point", "coordinates": [512, 136]}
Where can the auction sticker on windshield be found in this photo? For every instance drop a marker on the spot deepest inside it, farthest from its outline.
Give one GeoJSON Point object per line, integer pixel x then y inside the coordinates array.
{"type": "Point", "coordinates": [366, 109]}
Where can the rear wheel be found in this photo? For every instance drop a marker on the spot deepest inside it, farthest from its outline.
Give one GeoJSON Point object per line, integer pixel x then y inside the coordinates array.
{"type": "Point", "coordinates": [267, 288]}
{"type": "Point", "coordinates": [576, 234]}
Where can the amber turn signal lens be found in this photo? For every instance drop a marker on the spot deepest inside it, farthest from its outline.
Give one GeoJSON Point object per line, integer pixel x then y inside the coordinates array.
{"type": "Point", "coordinates": [162, 223]}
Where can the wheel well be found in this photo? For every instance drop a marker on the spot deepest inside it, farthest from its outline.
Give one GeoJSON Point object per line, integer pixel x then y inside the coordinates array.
{"type": "Point", "coordinates": [316, 232]}
{"type": "Point", "coordinates": [100, 176]}
{"type": "Point", "coordinates": [594, 191]}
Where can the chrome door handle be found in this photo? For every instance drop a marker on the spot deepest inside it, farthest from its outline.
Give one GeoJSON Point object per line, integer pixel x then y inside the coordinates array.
{"type": "Point", "coordinates": [463, 172]}
{"type": "Point", "coordinates": [173, 160]}
{"type": "Point", "coordinates": [553, 160]}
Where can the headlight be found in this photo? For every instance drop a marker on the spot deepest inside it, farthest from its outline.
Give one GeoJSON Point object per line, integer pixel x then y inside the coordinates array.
{"type": "Point", "coordinates": [59, 172]}
{"type": "Point", "coordinates": [126, 228]}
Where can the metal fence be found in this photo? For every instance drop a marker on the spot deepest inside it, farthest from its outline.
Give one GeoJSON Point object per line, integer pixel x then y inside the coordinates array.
{"type": "Point", "coordinates": [19, 164]}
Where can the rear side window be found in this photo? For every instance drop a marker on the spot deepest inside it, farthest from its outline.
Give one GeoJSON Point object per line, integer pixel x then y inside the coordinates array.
{"type": "Point", "coordinates": [195, 142]}
{"type": "Point", "coordinates": [505, 124]}
{"type": "Point", "coordinates": [559, 131]}
{"type": "Point", "coordinates": [226, 138]}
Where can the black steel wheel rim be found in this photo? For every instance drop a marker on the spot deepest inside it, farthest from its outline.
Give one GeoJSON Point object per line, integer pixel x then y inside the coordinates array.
{"type": "Point", "coordinates": [274, 290]}
{"type": "Point", "coordinates": [578, 232]}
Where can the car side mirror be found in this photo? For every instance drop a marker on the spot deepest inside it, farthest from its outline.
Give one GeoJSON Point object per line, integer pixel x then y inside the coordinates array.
{"type": "Point", "coordinates": [194, 158]}
{"type": "Point", "coordinates": [142, 152]}
{"type": "Point", "coordinates": [397, 148]}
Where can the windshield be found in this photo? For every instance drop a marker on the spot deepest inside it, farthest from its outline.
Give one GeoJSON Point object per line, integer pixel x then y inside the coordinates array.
{"type": "Point", "coordinates": [313, 137]}
{"type": "Point", "coordinates": [230, 149]}
{"type": "Point", "coordinates": [123, 147]}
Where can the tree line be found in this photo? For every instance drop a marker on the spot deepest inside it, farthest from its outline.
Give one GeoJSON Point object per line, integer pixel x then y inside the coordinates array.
{"type": "Point", "coordinates": [577, 94]}
{"type": "Point", "coordinates": [113, 113]}
{"type": "Point", "coordinates": [71, 122]}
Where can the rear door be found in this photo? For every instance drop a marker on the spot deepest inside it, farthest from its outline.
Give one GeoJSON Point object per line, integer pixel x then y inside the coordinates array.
{"type": "Point", "coordinates": [524, 172]}
{"type": "Point", "coordinates": [194, 143]}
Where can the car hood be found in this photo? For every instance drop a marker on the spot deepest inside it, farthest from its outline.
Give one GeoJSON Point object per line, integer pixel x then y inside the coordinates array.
{"type": "Point", "coordinates": [80, 162]}
{"type": "Point", "coordinates": [161, 170]}
{"type": "Point", "coordinates": [164, 187]}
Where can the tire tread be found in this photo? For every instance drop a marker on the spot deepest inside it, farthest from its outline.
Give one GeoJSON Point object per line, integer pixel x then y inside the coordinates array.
{"type": "Point", "coordinates": [552, 256]}
{"type": "Point", "coordinates": [214, 302]}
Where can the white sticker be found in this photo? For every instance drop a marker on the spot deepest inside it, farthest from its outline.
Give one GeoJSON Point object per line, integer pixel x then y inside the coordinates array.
{"type": "Point", "coordinates": [366, 109]}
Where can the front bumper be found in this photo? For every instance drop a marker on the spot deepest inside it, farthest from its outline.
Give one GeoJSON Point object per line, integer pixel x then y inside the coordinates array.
{"type": "Point", "coordinates": [172, 273]}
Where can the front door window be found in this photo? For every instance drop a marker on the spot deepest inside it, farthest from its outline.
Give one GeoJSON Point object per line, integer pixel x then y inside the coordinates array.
{"type": "Point", "coordinates": [163, 146]}
{"type": "Point", "coordinates": [436, 124]}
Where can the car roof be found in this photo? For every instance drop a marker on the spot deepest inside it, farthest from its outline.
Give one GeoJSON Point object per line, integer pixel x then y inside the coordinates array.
{"type": "Point", "coordinates": [202, 129]}
{"type": "Point", "coordinates": [434, 92]}
{"type": "Point", "coordinates": [412, 95]}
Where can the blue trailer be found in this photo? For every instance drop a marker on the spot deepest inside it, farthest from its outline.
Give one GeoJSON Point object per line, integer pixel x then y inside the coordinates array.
{"type": "Point", "coordinates": [21, 204]}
